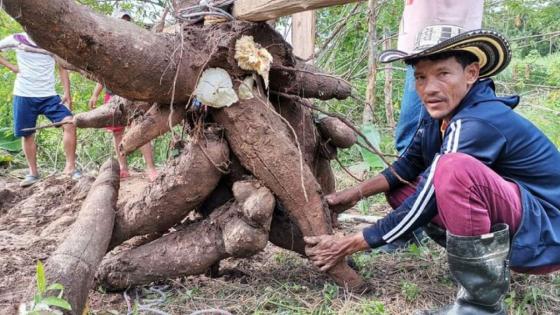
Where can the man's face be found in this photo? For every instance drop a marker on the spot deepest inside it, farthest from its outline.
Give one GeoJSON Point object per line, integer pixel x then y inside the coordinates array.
{"type": "Point", "coordinates": [442, 84]}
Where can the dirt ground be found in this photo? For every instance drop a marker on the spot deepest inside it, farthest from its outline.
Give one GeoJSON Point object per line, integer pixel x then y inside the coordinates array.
{"type": "Point", "coordinates": [34, 220]}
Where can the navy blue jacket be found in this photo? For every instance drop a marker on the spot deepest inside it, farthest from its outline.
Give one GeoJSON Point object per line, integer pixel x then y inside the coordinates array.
{"type": "Point", "coordinates": [486, 127]}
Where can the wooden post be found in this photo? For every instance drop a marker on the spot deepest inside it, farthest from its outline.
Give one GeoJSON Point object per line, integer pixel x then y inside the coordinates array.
{"type": "Point", "coordinates": [264, 10]}
{"type": "Point", "coordinates": [367, 115]}
{"type": "Point", "coordinates": [303, 34]}
{"type": "Point", "coordinates": [388, 88]}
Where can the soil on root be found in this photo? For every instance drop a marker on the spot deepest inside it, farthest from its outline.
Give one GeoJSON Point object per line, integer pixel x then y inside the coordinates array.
{"type": "Point", "coordinates": [33, 222]}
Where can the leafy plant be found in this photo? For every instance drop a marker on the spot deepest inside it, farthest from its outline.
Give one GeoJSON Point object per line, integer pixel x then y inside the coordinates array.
{"type": "Point", "coordinates": [374, 308]}
{"type": "Point", "coordinates": [8, 141]}
{"type": "Point", "coordinates": [42, 302]}
{"type": "Point", "coordinates": [374, 137]}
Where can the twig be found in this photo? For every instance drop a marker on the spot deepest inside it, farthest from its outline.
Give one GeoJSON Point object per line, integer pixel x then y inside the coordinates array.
{"type": "Point", "coordinates": [335, 32]}
{"type": "Point", "coordinates": [347, 171]}
{"type": "Point", "coordinates": [53, 125]}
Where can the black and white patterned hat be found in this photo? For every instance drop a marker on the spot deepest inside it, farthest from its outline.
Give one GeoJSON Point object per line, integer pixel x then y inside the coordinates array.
{"type": "Point", "coordinates": [491, 48]}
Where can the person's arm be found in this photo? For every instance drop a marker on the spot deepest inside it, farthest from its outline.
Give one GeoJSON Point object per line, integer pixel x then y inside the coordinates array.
{"type": "Point", "coordinates": [473, 137]}
{"type": "Point", "coordinates": [65, 80]}
{"type": "Point", "coordinates": [8, 65]}
{"type": "Point", "coordinates": [95, 95]}
{"type": "Point", "coordinates": [346, 199]}
{"type": "Point", "coordinates": [408, 166]}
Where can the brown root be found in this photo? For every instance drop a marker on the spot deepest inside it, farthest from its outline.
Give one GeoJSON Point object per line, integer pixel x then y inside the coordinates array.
{"type": "Point", "coordinates": [262, 142]}
{"type": "Point", "coordinates": [181, 187]}
{"type": "Point", "coordinates": [337, 133]}
{"type": "Point", "coordinates": [157, 121]}
{"type": "Point", "coordinates": [75, 261]}
{"type": "Point", "coordinates": [118, 112]}
{"type": "Point", "coordinates": [308, 81]}
{"type": "Point", "coordinates": [238, 228]}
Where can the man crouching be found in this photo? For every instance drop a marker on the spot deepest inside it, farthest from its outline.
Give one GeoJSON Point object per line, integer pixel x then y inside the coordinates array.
{"type": "Point", "coordinates": [485, 181]}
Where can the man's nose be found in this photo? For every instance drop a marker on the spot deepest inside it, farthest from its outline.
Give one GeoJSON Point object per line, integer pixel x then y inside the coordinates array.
{"type": "Point", "coordinates": [431, 86]}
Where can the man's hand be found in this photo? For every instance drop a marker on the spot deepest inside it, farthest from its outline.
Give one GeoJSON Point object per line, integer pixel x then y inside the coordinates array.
{"type": "Point", "coordinates": [344, 200]}
{"type": "Point", "coordinates": [92, 102]}
{"type": "Point", "coordinates": [325, 251]}
{"type": "Point", "coordinates": [67, 101]}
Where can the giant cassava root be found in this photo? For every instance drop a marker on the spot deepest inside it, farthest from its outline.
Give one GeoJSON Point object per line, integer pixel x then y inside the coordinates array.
{"type": "Point", "coordinates": [239, 228]}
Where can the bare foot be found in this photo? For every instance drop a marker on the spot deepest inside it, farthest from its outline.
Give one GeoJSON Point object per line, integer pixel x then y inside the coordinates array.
{"type": "Point", "coordinates": [152, 174]}
{"type": "Point", "coordinates": [124, 173]}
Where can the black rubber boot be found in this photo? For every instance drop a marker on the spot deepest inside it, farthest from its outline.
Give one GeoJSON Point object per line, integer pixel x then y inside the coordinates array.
{"type": "Point", "coordinates": [480, 266]}
{"type": "Point", "coordinates": [436, 233]}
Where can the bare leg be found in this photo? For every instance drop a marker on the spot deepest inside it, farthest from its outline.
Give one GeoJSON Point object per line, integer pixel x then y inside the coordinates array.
{"type": "Point", "coordinates": [69, 143]}
{"type": "Point", "coordinates": [117, 138]}
{"type": "Point", "coordinates": [30, 151]}
{"type": "Point", "coordinates": [149, 159]}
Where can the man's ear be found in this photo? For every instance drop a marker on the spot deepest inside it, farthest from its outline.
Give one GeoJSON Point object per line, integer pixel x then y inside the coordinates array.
{"type": "Point", "coordinates": [473, 72]}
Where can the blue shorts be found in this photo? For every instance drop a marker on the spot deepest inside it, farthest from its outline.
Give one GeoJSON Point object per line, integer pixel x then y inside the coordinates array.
{"type": "Point", "coordinates": [27, 109]}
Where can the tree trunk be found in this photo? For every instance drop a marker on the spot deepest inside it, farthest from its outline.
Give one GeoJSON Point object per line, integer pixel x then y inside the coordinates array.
{"type": "Point", "coordinates": [75, 261]}
{"type": "Point", "coordinates": [367, 116]}
{"type": "Point", "coordinates": [303, 35]}
{"type": "Point", "coordinates": [388, 88]}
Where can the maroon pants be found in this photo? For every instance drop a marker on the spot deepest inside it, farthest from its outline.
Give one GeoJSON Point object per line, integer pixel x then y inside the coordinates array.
{"type": "Point", "coordinates": [471, 198]}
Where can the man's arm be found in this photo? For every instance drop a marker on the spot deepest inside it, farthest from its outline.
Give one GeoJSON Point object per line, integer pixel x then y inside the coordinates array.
{"type": "Point", "coordinates": [408, 166]}
{"type": "Point", "coordinates": [472, 137]}
{"type": "Point", "coordinates": [8, 65]}
{"type": "Point", "coordinates": [65, 80]}
{"type": "Point", "coordinates": [346, 199]}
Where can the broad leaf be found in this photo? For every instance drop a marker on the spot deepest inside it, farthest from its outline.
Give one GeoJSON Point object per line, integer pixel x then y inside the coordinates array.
{"type": "Point", "coordinates": [58, 302]}
{"type": "Point", "coordinates": [8, 141]}
{"type": "Point", "coordinates": [374, 137]}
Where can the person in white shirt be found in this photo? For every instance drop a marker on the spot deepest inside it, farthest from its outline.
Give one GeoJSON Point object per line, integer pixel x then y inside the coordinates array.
{"type": "Point", "coordinates": [34, 95]}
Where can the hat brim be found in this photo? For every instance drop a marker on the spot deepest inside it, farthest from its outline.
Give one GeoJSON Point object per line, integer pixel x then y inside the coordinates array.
{"type": "Point", "coordinates": [491, 49]}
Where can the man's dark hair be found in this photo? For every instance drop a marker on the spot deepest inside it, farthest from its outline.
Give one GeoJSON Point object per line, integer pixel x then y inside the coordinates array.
{"type": "Point", "coordinates": [465, 58]}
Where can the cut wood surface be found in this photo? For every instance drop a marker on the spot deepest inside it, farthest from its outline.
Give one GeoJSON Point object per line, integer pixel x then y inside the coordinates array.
{"type": "Point", "coordinates": [263, 10]}
{"type": "Point", "coordinates": [75, 261]}
{"type": "Point", "coordinates": [303, 34]}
